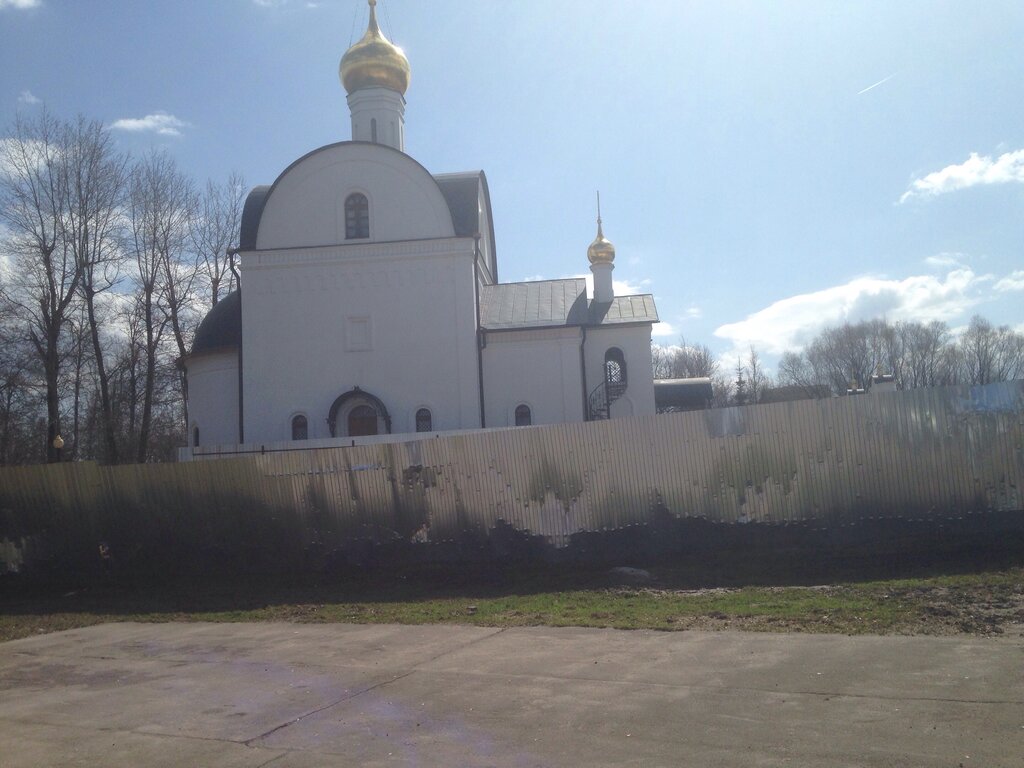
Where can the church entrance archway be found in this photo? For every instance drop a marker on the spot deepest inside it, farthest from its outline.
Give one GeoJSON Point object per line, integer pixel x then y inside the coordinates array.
{"type": "Point", "coordinates": [357, 414]}
{"type": "Point", "coordinates": [362, 420]}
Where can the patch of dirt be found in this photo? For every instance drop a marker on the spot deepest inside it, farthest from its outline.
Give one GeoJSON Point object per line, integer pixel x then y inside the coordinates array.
{"type": "Point", "coordinates": [985, 610]}
{"type": "Point", "coordinates": [988, 610]}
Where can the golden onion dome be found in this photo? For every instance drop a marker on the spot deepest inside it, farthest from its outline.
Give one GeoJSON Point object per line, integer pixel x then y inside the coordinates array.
{"type": "Point", "coordinates": [601, 251]}
{"type": "Point", "coordinates": [374, 62]}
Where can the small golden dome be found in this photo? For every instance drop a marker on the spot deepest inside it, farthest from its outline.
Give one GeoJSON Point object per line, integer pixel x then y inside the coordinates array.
{"type": "Point", "coordinates": [374, 62]}
{"type": "Point", "coordinates": [601, 251]}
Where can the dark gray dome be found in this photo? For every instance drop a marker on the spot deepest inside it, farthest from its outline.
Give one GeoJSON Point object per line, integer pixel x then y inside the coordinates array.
{"type": "Point", "coordinates": [251, 213]}
{"type": "Point", "coordinates": [222, 326]}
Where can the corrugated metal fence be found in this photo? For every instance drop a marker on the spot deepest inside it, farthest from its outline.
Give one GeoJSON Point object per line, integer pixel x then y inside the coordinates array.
{"type": "Point", "coordinates": [924, 454]}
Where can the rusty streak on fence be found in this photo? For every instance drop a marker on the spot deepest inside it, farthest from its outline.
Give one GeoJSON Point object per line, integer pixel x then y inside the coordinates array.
{"type": "Point", "coordinates": [927, 454]}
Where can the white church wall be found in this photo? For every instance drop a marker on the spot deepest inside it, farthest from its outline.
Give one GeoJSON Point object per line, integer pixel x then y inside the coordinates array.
{"type": "Point", "coordinates": [397, 320]}
{"type": "Point", "coordinates": [213, 397]}
{"type": "Point", "coordinates": [307, 204]}
{"type": "Point", "coordinates": [635, 343]}
{"type": "Point", "coordinates": [539, 368]}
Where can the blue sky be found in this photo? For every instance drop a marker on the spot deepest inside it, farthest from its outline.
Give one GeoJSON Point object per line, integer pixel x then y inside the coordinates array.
{"type": "Point", "coordinates": [765, 168]}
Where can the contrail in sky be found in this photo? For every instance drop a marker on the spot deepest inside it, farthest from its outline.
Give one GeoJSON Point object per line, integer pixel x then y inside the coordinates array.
{"type": "Point", "coordinates": [884, 80]}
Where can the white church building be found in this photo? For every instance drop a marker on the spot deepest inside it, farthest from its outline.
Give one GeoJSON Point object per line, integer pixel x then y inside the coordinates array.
{"type": "Point", "coordinates": [369, 302]}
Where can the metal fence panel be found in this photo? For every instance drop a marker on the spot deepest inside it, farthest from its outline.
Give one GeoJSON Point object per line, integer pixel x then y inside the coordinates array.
{"type": "Point", "coordinates": [929, 454]}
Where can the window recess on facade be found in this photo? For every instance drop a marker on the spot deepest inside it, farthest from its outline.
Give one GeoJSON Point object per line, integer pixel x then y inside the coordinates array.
{"type": "Point", "coordinates": [615, 367]}
{"type": "Point", "coordinates": [357, 217]}
{"type": "Point", "coordinates": [362, 421]}
{"type": "Point", "coordinates": [300, 427]}
{"type": "Point", "coordinates": [424, 420]}
{"type": "Point", "coordinates": [524, 417]}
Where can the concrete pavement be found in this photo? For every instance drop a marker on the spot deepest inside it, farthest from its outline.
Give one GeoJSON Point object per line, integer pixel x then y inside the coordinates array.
{"type": "Point", "coordinates": [290, 695]}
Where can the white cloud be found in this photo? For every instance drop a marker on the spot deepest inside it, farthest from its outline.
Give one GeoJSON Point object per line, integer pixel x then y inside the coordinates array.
{"type": "Point", "coordinates": [19, 4]}
{"type": "Point", "coordinates": [1012, 282]}
{"type": "Point", "coordinates": [693, 313]}
{"type": "Point", "coordinates": [620, 287]}
{"type": "Point", "coordinates": [944, 260]}
{"type": "Point", "coordinates": [27, 97]}
{"type": "Point", "coordinates": [6, 262]}
{"type": "Point", "coordinates": [792, 322]}
{"type": "Point", "coordinates": [977, 169]}
{"type": "Point", "coordinates": [161, 123]}
{"type": "Point", "coordinates": [30, 153]}
{"type": "Point", "coordinates": [663, 329]}
{"type": "Point", "coordinates": [625, 287]}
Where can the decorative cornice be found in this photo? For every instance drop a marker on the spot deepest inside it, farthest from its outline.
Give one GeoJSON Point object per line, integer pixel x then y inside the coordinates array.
{"type": "Point", "coordinates": [400, 250]}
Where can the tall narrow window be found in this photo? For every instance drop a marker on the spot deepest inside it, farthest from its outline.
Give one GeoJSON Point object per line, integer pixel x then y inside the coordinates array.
{"type": "Point", "coordinates": [373, 129]}
{"type": "Point", "coordinates": [615, 367]}
{"type": "Point", "coordinates": [300, 428]}
{"type": "Point", "coordinates": [357, 216]}
{"type": "Point", "coordinates": [424, 421]}
{"type": "Point", "coordinates": [523, 416]}
{"type": "Point", "coordinates": [195, 437]}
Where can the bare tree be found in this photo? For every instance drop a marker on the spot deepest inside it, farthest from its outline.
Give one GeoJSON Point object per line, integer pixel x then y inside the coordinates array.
{"type": "Point", "coordinates": [757, 378]}
{"type": "Point", "coordinates": [215, 229]}
{"type": "Point", "coordinates": [686, 361]}
{"type": "Point", "coordinates": [796, 369]}
{"type": "Point", "coordinates": [989, 354]}
{"type": "Point", "coordinates": [661, 361]}
{"type": "Point", "coordinates": [844, 355]}
{"type": "Point", "coordinates": [159, 205]}
{"type": "Point", "coordinates": [93, 219]}
{"type": "Point", "coordinates": [20, 380]}
{"type": "Point", "coordinates": [33, 193]}
{"type": "Point", "coordinates": [924, 360]}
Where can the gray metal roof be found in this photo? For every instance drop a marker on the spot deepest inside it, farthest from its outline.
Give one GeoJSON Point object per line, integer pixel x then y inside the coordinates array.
{"type": "Point", "coordinates": [222, 326]}
{"type": "Point", "coordinates": [461, 192]}
{"type": "Point", "coordinates": [251, 214]}
{"type": "Point", "coordinates": [553, 303]}
{"type": "Point", "coordinates": [537, 304]}
{"type": "Point", "coordinates": [624, 309]}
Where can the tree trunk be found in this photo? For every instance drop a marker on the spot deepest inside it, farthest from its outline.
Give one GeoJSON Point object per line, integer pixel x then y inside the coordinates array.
{"type": "Point", "coordinates": [52, 368]}
{"type": "Point", "coordinates": [106, 408]}
{"type": "Point", "coordinates": [150, 384]}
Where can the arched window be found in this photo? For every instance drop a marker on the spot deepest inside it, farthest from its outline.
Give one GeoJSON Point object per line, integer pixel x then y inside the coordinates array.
{"type": "Point", "coordinates": [615, 367]}
{"type": "Point", "coordinates": [195, 437]}
{"type": "Point", "coordinates": [357, 216]}
{"type": "Point", "coordinates": [362, 420]}
{"type": "Point", "coordinates": [300, 428]}
{"type": "Point", "coordinates": [523, 416]}
{"type": "Point", "coordinates": [424, 421]}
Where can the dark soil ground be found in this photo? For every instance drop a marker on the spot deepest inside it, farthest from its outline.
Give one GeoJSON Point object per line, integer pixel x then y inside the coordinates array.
{"type": "Point", "coordinates": [969, 592]}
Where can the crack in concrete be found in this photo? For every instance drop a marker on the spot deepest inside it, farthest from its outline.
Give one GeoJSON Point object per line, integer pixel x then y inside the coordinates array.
{"type": "Point", "coordinates": [304, 715]}
{"type": "Point", "coordinates": [699, 687]}
{"type": "Point", "coordinates": [381, 684]}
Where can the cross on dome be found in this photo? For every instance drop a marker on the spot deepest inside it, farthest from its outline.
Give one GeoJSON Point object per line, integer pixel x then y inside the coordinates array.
{"type": "Point", "coordinates": [601, 251]}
